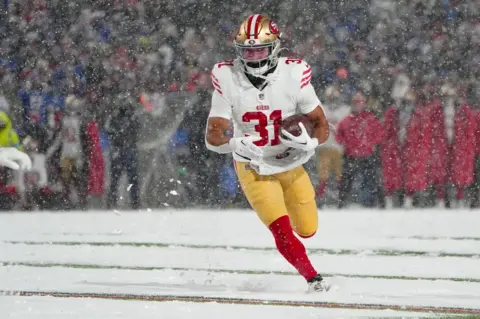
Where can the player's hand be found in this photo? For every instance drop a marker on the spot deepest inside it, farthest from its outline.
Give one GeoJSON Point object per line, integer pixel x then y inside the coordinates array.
{"type": "Point", "coordinates": [303, 141]}
{"type": "Point", "coordinates": [13, 158]}
{"type": "Point", "coordinates": [245, 147]}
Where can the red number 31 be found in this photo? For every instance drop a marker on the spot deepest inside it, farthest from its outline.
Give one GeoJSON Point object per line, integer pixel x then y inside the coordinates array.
{"type": "Point", "coordinates": [261, 127]}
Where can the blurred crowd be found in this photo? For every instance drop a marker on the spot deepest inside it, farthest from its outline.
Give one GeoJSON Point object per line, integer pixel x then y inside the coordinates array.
{"type": "Point", "coordinates": [84, 85]}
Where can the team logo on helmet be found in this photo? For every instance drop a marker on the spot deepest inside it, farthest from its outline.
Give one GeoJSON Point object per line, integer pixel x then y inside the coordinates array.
{"type": "Point", "coordinates": [251, 42]}
{"type": "Point", "coordinates": [273, 27]}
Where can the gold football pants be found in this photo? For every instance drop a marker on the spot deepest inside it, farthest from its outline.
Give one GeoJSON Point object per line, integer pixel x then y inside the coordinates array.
{"type": "Point", "coordinates": [273, 196]}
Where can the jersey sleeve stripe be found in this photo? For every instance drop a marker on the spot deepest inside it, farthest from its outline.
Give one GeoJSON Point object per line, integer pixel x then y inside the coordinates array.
{"type": "Point", "coordinates": [219, 91]}
{"type": "Point", "coordinates": [307, 78]}
{"type": "Point", "coordinates": [309, 70]}
{"type": "Point", "coordinates": [215, 82]}
{"type": "Point", "coordinates": [304, 84]}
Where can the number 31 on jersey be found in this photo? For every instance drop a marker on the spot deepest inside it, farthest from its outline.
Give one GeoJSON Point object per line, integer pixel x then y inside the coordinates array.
{"type": "Point", "coordinates": [261, 126]}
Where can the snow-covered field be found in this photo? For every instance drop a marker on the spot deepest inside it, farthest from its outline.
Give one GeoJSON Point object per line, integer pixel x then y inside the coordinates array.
{"type": "Point", "coordinates": [223, 264]}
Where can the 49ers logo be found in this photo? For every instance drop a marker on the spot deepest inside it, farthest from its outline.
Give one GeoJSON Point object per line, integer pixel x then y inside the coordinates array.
{"type": "Point", "coordinates": [273, 27]}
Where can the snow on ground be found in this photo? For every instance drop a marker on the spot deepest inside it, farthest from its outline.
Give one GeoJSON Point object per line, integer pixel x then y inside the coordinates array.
{"type": "Point", "coordinates": [47, 307]}
{"type": "Point", "coordinates": [372, 258]}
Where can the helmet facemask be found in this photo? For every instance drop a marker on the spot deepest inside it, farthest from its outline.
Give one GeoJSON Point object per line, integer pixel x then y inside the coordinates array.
{"type": "Point", "coordinates": [258, 59]}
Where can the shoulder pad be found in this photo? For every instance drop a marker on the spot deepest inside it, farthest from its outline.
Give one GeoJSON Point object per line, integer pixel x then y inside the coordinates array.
{"type": "Point", "coordinates": [221, 70]}
{"type": "Point", "coordinates": [301, 71]}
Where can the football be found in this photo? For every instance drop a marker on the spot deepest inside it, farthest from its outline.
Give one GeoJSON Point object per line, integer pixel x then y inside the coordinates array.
{"type": "Point", "coordinates": [290, 124]}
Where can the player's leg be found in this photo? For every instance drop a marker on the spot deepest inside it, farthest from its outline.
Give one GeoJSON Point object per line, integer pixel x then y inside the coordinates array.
{"type": "Point", "coordinates": [299, 198]}
{"type": "Point", "coordinates": [265, 195]}
{"type": "Point", "coordinates": [263, 192]}
{"type": "Point", "coordinates": [300, 202]}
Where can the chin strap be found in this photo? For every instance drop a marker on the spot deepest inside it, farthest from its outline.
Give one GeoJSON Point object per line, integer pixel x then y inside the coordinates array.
{"type": "Point", "coordinates": [268, 78]}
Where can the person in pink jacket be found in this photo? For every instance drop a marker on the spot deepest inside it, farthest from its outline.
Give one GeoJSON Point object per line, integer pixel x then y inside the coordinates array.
{"type": "Point", "coordinates": [406, 151]}
{"type": "Point", "coordinates": [453, 150]}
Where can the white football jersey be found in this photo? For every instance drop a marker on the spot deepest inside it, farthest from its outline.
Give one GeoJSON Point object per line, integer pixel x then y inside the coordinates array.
{"type": "Point", "coordinates": [260, 112]}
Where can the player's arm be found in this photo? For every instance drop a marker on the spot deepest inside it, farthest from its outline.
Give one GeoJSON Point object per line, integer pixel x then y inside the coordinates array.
{"type": "Point", "coordinates": [308, 104]}
{"type": "Point", "coordinates": [322, 130]}
{"type": "Point", "coordinates": [218, 123]}
{"type": "Point", "coordinates": [215, 136]}
{"type": "Point", "coordinates": [216, 139]}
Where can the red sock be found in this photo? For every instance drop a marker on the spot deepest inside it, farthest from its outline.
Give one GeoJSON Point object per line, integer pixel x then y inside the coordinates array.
{"type": "Point", "coordinates": [321, 189]}
{"type": "Point", "coordinates": [291, 247]}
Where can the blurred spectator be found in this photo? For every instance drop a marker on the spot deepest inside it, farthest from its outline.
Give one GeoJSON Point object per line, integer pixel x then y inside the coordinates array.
{"type": "Point", "coordinates": [453, 156]}
{"type": "Point", "coordinates": [476, 185]}
{"type": "Point", "coordinates": [360, 133]}
{"type": "Point", "coordinates": [8, 138]}
{"type": "Point", "coordinates": [123, 128]}
{"type": "Point", "coordinates": [93, 169]}
{"type": "Point", "coordinates": [4, 105]}
{"type": "Point", "coordinates": [406, 152]}
{"type": "Point", "coordinates": [330, 153]}
{"type": "Point", "coordinates": [81, 160]}
{"type": "Point", "coordinates": [34, 184]}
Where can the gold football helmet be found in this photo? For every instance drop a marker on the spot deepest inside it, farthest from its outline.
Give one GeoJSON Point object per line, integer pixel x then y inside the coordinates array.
{"type": "Point", "coordinates": [258, 44]}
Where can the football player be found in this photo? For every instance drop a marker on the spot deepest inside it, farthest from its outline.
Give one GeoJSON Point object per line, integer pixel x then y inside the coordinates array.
{"type": "Point", "coordinates": [256, 91]}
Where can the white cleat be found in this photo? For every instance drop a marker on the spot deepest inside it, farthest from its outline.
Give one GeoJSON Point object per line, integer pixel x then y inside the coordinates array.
{"type": "Point", "coordinates": [317, 284]}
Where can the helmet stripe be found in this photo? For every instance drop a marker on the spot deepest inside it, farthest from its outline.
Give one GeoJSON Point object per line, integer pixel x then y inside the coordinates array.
{"type": "Point", "coordinates": [257, 25]}
{"type": "Point", "coordinates": [249, 25]}
{"type": "Point", "coordinates": [252, 26]}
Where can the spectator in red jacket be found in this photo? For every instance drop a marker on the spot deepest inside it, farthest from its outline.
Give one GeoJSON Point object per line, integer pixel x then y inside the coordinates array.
{"type": "Point", "coordinates": [360, 133]}
{"type": "Point", "coordinates": [406, 150]}
{"type": "Point", "coordinates": [453, 154]}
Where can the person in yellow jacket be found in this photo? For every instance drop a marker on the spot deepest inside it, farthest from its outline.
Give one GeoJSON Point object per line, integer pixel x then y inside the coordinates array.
{"type": "Point", "coordinates": [11, 154]}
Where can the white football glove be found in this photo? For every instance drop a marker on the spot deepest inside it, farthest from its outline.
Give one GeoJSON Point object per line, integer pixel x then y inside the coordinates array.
{"type": "Point", "coordinates": [13, 158]}
{"type": "Point", "coordinates": [303, 142]}
{"type": "Point", "coordinates": [244, 147]}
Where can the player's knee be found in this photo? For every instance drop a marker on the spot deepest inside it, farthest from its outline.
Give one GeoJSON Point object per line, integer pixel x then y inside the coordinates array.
{"type": "Point", "coordinates": [307, 236]}
{"type": "Point", "coordinates": [306, 227]}
{"type": "Point", "coordinates": [306, 231]}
